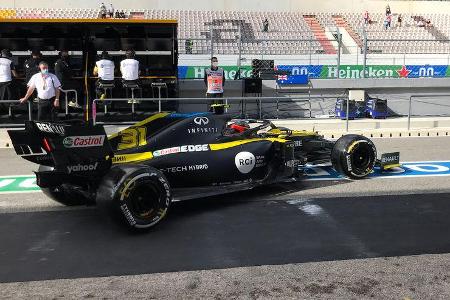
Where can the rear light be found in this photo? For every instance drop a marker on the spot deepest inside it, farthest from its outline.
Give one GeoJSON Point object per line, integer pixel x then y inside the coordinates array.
{"type": "Point", "coordinates": [47, 146]}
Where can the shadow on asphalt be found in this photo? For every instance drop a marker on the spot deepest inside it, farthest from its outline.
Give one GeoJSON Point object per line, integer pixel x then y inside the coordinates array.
{"type": "Point", "coordinates": [222, 232]}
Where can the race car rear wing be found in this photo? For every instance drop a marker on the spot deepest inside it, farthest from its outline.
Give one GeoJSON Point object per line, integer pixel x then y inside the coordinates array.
{"type": "Point", "coordinates": [75, 150]}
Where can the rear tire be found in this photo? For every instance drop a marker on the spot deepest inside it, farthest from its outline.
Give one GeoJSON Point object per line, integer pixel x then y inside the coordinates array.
{"type": "Point", "coordinates": [65, 194]}
{"type": "Point", "coordinates": [136, 195]}
{"type": "Point", "coordinates": [354, 156]}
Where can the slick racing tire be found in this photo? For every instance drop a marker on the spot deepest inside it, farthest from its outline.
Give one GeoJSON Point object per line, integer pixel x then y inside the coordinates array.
{"type": "Point", "coordinates": [354, 156]}
{"type": "Point", "coordinates": [136, 195]}
{"type": "Point", "coordinates": [65, 194]}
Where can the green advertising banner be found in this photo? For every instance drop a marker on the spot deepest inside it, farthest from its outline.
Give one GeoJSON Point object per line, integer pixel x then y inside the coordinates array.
{"type": "Point", "coordinates": [18, 184]}
{"type": "Point", "coordinates": [356, 71]}
{"type": "Point", "coordinates": [197, 72]}
{"type": "Point", "coordinates": [331, 71]}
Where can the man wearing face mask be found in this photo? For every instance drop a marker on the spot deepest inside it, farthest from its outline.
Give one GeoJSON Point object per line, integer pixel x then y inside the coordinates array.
{"type": "Point", "coordinates": [47, 86]}
{"type": "Point", "coordinates": [214, 80]}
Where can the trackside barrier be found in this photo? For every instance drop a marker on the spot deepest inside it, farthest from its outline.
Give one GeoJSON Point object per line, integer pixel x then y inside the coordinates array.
{"type": "Point", "coordinates": [261, 100]}
{"type": "Point", "coordinates": [15, 103]}
{"type": "Point", "coordinates": [226, 100]}
{"type": "Point", "coordinates": [418, 96]}
{"type": "Point", "coordinates": [410, 104]}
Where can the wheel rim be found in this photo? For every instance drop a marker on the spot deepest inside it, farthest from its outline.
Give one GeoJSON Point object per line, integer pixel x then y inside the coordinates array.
{"type": "Point", "coordinates": [144, 200]}
{"type": "Point", "coordinates": [362, 158]}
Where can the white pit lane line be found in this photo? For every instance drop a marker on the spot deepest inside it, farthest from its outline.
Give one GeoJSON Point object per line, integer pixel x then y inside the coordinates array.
{"type": "Point", "coordinates": [320, 172]}
{"type": "Point", "coordinates": [12, 201]}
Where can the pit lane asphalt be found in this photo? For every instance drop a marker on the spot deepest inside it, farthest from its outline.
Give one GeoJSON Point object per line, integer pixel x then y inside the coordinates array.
{"type": "Point", "coordinates": [203, 234]}
{"type": "Point", "coordinates": [244, 229]}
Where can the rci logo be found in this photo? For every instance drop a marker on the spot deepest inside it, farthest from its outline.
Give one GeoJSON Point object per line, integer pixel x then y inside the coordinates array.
{"type": "Point", "coordinates": [245, 162]}
{"type": "Point", "coordinates": [201, 120]}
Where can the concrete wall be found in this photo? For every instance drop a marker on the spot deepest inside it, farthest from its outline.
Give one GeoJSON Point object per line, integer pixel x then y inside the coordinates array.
{"type": "Point", "coordinates": [252, 5]}
{"type": "Point", "coordinates": [325, 92]}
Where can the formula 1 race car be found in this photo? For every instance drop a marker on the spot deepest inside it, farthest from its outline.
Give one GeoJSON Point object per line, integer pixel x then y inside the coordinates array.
{"type": "Point", "coordinates": [136, 173]}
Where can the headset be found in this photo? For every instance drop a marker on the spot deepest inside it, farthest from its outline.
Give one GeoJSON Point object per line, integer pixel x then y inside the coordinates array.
{"type": "Point", "coordinates": [61, 51]}
{"type": "Point", "coordinates": [105, 55]}
{"type": "Point", "coordinates": [130, 53]}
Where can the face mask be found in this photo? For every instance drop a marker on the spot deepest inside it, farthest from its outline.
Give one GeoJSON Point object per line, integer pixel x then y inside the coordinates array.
{"type": "Point", "coordinates": [45, 71]}
{"type": "Point", "coordinates": [214, 64]}
{"type": "Point", "coordinates": [65, 57]}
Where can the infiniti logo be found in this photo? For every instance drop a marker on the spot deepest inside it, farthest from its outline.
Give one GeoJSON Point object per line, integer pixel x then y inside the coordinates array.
{"type": "Point", "coordinates": [201, 120]}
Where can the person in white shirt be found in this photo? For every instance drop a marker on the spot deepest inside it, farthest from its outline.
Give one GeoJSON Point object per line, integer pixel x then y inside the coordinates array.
{"type": "Point", "coordinates": [104, 69]}
{"type": "Point", "coordinates": [111, 11]}
{"type": "Point", "coordinates": [7, 69]}
{"type": "Point", "coordinates": [129, 67]}
{"type": "Point", "coordinates": [47, 86]}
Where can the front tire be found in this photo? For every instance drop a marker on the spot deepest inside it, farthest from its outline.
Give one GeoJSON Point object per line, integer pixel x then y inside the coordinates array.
{"type": "Point", "coordinates": [354, 156]}
{"type": "Point", "coordinates": [136, 195]}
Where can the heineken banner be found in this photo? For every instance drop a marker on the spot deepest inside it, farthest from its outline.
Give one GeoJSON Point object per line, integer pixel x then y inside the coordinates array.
{"type": "Point", "coordinates": [330, 71]}
{"type": "Point", "coordinates": [185, 72]}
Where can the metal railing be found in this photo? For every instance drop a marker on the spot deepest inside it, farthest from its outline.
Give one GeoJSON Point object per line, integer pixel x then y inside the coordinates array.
{"type": "Point", "coordinates": [260, 101]}
{"type": "Point", "coordinates": [66, 93]}
{"type": "Point", "coordinates": [226, 100]}
{"type": "Point", "coordinates": [15, 103]}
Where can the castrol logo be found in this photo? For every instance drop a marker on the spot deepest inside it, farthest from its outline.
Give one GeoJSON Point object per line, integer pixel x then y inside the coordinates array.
{"type": "Point", "coordinates": [84, 141]}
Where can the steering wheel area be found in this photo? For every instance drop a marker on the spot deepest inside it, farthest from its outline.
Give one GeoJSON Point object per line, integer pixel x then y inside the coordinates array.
{"type": "Point", "coordinates": [247, 127]}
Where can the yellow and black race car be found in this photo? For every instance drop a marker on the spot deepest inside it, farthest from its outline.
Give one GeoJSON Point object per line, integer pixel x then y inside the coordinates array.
{"type": "Point", "coordinates": [136, 173]}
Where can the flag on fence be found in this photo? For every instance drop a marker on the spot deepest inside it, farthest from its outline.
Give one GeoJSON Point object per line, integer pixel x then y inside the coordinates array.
{"type": "Point", "coordinates": [292, 79]}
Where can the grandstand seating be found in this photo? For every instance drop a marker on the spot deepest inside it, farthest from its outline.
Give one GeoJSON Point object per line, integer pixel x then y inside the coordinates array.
{"type": "Point", "coordinates": [289, 32]}
{"type": "Point", "coordinates": [408, 31]}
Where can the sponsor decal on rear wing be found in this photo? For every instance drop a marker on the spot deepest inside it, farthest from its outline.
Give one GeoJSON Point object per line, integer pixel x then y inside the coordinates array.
{"type": "Point", "coordinates": [70, 149]}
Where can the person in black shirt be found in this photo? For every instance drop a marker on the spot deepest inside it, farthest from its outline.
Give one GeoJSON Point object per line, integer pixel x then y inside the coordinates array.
{"type": "Point", "coordinates": [31, 65]}
{"type": "Point", "coordinates": [64, 72]}
{"type": "Point", "coordinates": [266, 25]}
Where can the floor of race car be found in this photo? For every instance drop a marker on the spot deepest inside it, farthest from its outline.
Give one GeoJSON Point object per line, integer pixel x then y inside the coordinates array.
{"type": "Point", "coordinates": [321, 238]}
